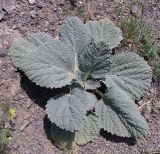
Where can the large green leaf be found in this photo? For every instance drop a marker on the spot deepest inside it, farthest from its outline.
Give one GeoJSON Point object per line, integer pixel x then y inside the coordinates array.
{"type": "Point", "coordinates": [46, 62]}
{"type": "Point", "coordinates": [69, 111]}
{"type": "Point", "coordinates": [89, 131]}
{"type": "Point", "coordinates": [75, 32]}
{"type": "Point", "coordinates": [130, 73]}
{"type": "Point", "coordinates": [120, 115]}
{"type": "Point", "coordinates": [95, 60]}
{"type": "Point", "coordinates": [106, 31]}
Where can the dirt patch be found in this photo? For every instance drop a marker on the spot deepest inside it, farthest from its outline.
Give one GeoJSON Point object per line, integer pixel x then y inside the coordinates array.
{"type": "Point", "coordinates": [31, 130]}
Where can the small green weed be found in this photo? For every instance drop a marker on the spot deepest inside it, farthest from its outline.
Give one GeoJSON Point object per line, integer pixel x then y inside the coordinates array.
{"type": "Point", "coordinates": [157, 68]}
{"type": "Point", "coordinates": [140, 36]}
{"type": "Point", "coordinates": [6, 113]}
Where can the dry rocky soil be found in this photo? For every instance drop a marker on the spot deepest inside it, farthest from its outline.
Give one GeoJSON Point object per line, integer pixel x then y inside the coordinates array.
{"type": "Point", "coordinates": [31, 134]}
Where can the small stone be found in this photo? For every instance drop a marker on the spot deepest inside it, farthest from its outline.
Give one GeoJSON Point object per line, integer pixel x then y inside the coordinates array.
{"type": "Point", "coordinates": [46, 24]}
{"type": "Point", "coordinates": [32, 119]}
{"type": "Point", "coordinates": [55, 9]}
{"type": "Point", "coordinates": [39, 123]}
{"type": "Point", "coordinates": [33, 13]}
{"type": "Point", "coordinates": [61, 2]}
{"type": "Point", "coordinates": [46, 30]}
{"type": "Point", "coordinates": [80, 2]}
{"type": "Point", "coordinates": [1, 16]}
{"type": "Point", "coordinates": [28, 151]}
{"type": "Point", "coordinates": [99, 151]}
{"type": "Point", "coordinates": [25, 124]}
{"type": "Point", "coordinates": [15, 145]}
{"type": "Point", "coordinates": [98, 16]}
{"type": "Point", "coordinates": [31, 1]}
{"type": "Point", "coordinates": [59, 8]}
{"type": "Point", "coordinates": [14, 27]}
{"type": "Point", "coordinates": [52, 1]}
{"type": "Point", "coordinates": [40, 5]}
{"type": "Point", "coordinates": [29, 103]}
{"type": "Point", "coordinates": [22, 14]}
{"type": "Point", "coordinates": [119, 1]}
{"type": "Point", "coordinates": [2, 53]}
{"type": "Point", "coordinates": [34, 148]}
{"type": "Point", "coordinates": [14, 89]}
{"type": "Point", "coordinates": [23, 30]}
{"type": "Point", "coordinates": [135, 10]}
{"type": "Point", "coordinates": [60, 22]}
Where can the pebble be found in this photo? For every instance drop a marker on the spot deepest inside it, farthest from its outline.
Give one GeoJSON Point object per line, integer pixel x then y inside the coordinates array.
{"type": "Point", "coordinates": [34, 148]}
{"type": "Point", "coordinates": [135, 10]}
{"type": "Point", "coordinates": [80, 2]}
{"type": "Point", "coordinates": [1, 16]}
{"type": "Point", "coordinates": [39, 123]}
{"type": "Point", "coordinates": [3, 53]}
{"type": "Point", "coordinates": [61, 2]}
{"type": "Point", "coordinates": [31, 1]}
{"type": "Point", "coordinates": [46, 24]}
{"type": "Point", "coordinates": [14, 27]}
{"type": "Point", "coordinates": [51, 1]}
{"type": "Point", "coordinates": [33, 13]}
{"type": "Point", "coordinates": [59, 8]}
{"type": "Point", "coordinates": [23, 30]}
{"type": "Point", "coordinates": [25, 124]}
{"type": "Point", "coordinates": [40, 5]}
{"type": "Point", "coordinates": [29, 103]}
{"type": "Point", "coordinates": [28, 151]}
{"type": "Point", "coordinates": [119, 1]}
{"type": "Point", "coordinates": [46, 30]}
{"type": "Point", "coordinates": [22, 14]}
{"type": "Point", "coordinates": [98, 16]}
{"type": "Point", "coordinates": [15, 145]}
{"type": "Point", "coordinates": [55, 9]}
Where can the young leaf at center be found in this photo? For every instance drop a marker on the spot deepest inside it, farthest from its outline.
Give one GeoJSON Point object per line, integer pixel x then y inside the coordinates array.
{"type": "Point", "coordinates": [95, 60]}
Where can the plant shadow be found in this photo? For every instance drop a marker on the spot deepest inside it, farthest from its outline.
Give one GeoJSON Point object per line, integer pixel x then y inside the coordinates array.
{"type": "Point", "coordinates": [47, 128]}
{"type": "Point", "coordinates": [116, 139]}
{"type": "Point", "coordinates": [39, 95]}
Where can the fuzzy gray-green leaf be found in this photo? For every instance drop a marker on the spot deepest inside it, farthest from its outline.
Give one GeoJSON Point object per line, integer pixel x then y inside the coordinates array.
{"type": "Point", "coordinates": [120, 115]}
{"type": "Point", "coordinates": [75, 32]}
{"type": "Point", "coordinates": [95, 60]}
{"type": "Point", "coordinates": [90, 130]}
{"type": "Point", "coordinates": [46, 62]}
{"type": "Point", "coordinates": [69, 111]}
{"type": "Point", "coordinates": [130, 73]}
{"type": "Point", "coordinates": [106, 31]}
{"type": "Point", "coordinates": [92, 100]}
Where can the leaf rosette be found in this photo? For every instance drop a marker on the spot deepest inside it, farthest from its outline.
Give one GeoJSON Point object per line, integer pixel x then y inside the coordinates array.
{"type": "Point", "coordinates": [82, 59]}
